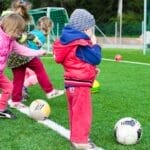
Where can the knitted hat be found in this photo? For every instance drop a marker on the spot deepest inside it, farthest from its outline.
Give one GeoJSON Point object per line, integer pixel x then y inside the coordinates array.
{"type": "Point", "coordinates": [81, 19]}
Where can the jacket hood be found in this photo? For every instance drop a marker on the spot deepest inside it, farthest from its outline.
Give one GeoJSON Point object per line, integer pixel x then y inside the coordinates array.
{"type": "Point", "coordinates": [70, 34]}
{"type": "Point", "coordinates": [69, 40]}
{"type": "Point", "coordinates": [61, 50]}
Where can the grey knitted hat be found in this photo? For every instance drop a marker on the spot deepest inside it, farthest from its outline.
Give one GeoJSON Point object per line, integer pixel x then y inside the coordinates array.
{"type": "Point", "coordinates": [81, 19]}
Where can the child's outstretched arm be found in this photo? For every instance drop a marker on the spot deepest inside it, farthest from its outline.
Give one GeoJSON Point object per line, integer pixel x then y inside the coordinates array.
{"type": "Point", "coordinates": [25, 51]}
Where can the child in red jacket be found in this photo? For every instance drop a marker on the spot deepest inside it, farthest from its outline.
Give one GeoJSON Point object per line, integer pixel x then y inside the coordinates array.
{"type": "Point", "coordinates": [79, 54]}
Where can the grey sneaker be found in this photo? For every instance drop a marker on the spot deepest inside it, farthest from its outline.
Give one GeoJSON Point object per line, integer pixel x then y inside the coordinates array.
{"type": "Point", "coordinates": [55, 93]}
{"type": "Point", "coordinates": [17, 105]}
{"type": "Point", "coordinates": [85, 146]}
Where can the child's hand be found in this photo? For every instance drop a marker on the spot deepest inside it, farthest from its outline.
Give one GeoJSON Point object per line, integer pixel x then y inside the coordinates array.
{"type": "Point", "coordinates": [93, 39]}
{"type": "Point", "coordinates": [98, 71]}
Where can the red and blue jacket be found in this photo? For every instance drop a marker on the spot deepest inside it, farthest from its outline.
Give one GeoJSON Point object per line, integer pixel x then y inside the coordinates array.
{"type": "Point", "coordinates": [78, 56]}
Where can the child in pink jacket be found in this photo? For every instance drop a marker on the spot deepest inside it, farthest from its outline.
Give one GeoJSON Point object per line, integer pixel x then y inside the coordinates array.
{"type": "Point", "coordinates": [11, 27]}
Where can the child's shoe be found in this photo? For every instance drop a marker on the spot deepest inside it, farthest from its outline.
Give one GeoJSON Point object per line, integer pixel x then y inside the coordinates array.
{"type": "Point", "coordinates": [55, 93]}
{"type": "Point", "coordinates": [7, 114]}
{"type": "Point", "coordinates": [17, 105]}
{"type": "Point", "coordinates": [85, 146]}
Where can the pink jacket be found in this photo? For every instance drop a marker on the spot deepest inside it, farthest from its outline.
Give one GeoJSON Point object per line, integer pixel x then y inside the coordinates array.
{"type": "Point", "coordinates": [8, 44]}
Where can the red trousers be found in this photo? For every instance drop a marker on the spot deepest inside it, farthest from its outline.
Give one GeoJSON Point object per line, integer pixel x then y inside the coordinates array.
{"type": "Point", "coordinates": [19, 74]}
{"type": "Point", "coordinates": [6, 87]}
{"type": "Point", "coordinates": [80, 113]}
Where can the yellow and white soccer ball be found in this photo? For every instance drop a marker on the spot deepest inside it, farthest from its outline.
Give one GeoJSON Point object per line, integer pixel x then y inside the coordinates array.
{"type": "Point", "coordinates": [39, 109]}
{"type": "Point", "coordinates": [95, 87]}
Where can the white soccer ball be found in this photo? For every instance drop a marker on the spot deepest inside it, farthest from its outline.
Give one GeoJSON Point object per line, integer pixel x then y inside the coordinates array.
{"type": "Point", "coordinates": [39, 109]}
{"type": "Point", "coordinates": [128, 131]}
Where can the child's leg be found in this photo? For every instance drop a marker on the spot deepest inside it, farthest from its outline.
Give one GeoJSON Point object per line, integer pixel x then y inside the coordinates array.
{"type": "Point", "coordinates": [6, 87]}
{"type": "Point", "coordinates": [80, 112]}
{"type": "Point", "coordinates": [36, 65]}
{"type": "Point", "coordinates": [30, 78]}
{"type": "Point", "coordinates": [18, 79]}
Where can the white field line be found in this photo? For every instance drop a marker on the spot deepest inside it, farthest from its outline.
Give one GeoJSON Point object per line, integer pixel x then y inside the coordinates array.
{"type": "Point", "coordinates": [130, 62]}
{"type": "Point", "coordinates": [49, 123]}
{"type": "Point", "coordinates": [122, 61]}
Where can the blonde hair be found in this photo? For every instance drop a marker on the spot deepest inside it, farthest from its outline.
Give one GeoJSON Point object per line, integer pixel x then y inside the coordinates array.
{"type": "Point", "coordinates": [13, 23]}
{"type": "Point", "coordinates": [44, 24]}
{"type": "Point", "coordinates": [21, 8]}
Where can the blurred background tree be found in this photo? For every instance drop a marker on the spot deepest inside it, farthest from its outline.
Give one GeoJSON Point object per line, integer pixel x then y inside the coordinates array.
{"type": "Point", "coordinates": [105, 11]}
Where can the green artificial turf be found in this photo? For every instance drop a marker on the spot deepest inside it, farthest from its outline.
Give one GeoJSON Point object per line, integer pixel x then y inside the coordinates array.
{"type": "Point", "coordinates": [124, 93]}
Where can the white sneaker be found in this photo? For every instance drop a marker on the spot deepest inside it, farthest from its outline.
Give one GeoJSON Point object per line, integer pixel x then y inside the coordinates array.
{"type": "Point", "coordinates": [55, 93]}
{"type": "Point", "coordinates": [17, 105]}
{"type": "Point", "coordinates": [87, 146]}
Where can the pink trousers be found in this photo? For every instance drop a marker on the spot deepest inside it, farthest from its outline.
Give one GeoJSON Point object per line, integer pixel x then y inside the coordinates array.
{"type": "Point", "coordinates": [19, 74]}
{"type": "Point", "coordinates": [80, 113]}
{"type": "Point", "coordinates": [30, 78]}
{"type": "Point", "coordinates": [6, 87]}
